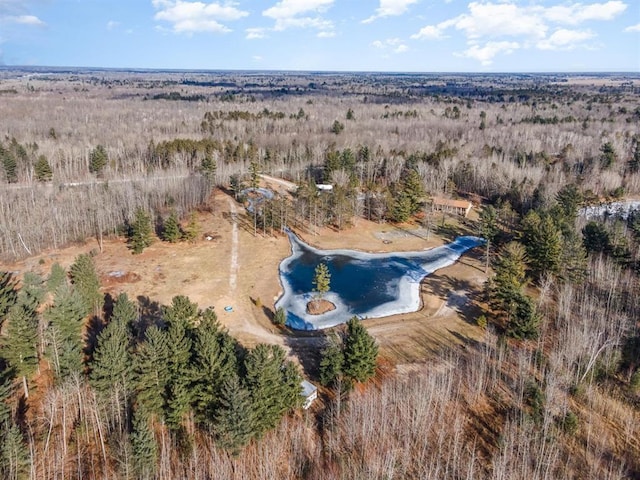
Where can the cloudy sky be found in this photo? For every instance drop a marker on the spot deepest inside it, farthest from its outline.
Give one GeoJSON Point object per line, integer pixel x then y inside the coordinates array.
{"type": "Point", "coordinates": [344, 35]}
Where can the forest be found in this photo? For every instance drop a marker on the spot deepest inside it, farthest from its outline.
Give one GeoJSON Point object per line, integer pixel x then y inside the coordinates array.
{"type": "Point", "coordinates": [95, 385]}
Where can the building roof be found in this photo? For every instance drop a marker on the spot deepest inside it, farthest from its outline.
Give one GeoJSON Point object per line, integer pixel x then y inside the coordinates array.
{"type": "Point", "coordinates": [447, 202]}
{"type": "Point", "coordinates": [307, 388]}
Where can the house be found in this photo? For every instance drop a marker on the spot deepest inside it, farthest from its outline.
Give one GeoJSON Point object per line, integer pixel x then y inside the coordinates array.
{"type": "Point", "coordinates": [309, 391]}
{"type": "Point", "coordinates": [459, 207]}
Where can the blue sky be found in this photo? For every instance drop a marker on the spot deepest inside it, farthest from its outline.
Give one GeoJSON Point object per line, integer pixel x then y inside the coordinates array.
{"type": "Point", "coordinates": [344, 35]}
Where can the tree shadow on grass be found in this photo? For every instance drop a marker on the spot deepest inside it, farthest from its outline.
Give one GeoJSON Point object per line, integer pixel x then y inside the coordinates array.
{"type": "Point", "coordinates": [149, 313]}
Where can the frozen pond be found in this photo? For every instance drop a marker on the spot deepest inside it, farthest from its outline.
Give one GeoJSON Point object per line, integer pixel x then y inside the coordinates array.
{"type": "Point", "coordinates": [363, 284]}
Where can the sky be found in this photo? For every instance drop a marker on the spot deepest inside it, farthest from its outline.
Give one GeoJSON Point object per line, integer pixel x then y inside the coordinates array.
{"type": "Point", "coordinates": [325, 35]}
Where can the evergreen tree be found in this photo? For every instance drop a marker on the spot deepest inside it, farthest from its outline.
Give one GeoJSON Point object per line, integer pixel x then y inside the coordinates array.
{"type": "Point", "coordinates": [8, 293]}
{"type": "Point", "coordinates": [14, 454]}
{"type": "Point", "coordinates": [543, 243]}
{"type": "Point", "coordinates": [291, 389]}
{"type": "Point", "coordinates": [524, 321]}
{"type": "Point", "coordinates": [171, 231]}
{"type": "Point", "coordinates": [111, 368]}
{"type": "Point", "coordinates": [20, 343]}
{"type": "Point", "coordinates": [57, 278]}
{"type": "Point", "coordinates": [64, 332]}
{"type": "Point", "coordinates": [596, 238]}
{"type": "Point", "coordinates": [254, 174]}
{"type": "Point", "coordinates": [321, 280]}
{"type": "Point", "coordinates": [360, 352]}
{"type": "Point", "coordinates": [573, 260]}
{"type": "Point", "coordinates": [193, 229]}
{"type": "Point", "coordinates": [209, 168]}
{"type": "Point", "coordinates": [413, 190]}
{"type": "Point", "coordinates": [144, 446]}
{"type": "Point", "coordinates": [140, 231]}
{"type": "Point", "coordinates": [177, 393]}
{"type": "Point", "coordinates": [43, 170]}
{"type": "Point", "coordinates": [509, 278]}
{"type": "Point", "coordinates": [10, 166]}
{"type": "Point", "coordinates": [32, 292]}
{"type": "Point", "coordinates": [264, 378]}
{"type": "Point", "coordinates": [401, 208]}
{"type": "Point", "coordinates": [6, 390]}
{"type": "Point", "coordinates": [181, 310]}
{"type": "Point", "coordinates": [87, 283]}
{"type": "Point", "coordinates": [98, 159]}
{"type": "Point", "coordinates": [607, 155]}
{"type": "Point", "coordinates": [332, 361]}
{"type": "Point", "coordinates": [151, 371]}
{"type": "Point", "coordinates": [214, 360]}
{"type": "Point", "coordinates": [569, 199]}
{"type": "Point", "coordinates": [488, 228]}
{"type": "Point", "coordinates": [234, 418]}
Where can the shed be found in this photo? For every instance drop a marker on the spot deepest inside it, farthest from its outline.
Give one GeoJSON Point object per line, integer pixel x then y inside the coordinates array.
{"type": "Point", "coordinates": [309, 391]}
{"type": "Point", "coordinates": [460, 207]}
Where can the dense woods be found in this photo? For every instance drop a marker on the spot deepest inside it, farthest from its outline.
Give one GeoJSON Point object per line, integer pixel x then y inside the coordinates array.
{"type": "Point", "coordinates": [98, 387]}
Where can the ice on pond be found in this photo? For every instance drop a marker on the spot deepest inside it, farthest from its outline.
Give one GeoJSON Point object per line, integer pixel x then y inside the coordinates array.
{"type": "Point", "coordinates": [367, 285]}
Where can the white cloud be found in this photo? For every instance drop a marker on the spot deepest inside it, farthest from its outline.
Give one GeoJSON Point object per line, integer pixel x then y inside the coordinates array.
{"type": "Point", "coordinates": [301, 14]}
{"type": "Point", "coordinates": [191, 17]}
{"type": "Point", "coordinates": [25, 20]}
{"type": "Point", "coordinates": [486, 53]}
{"type": "Point", "coordinates": [633, 28]}
{"type": "Point", "coordinates": [578, 12]}
{"type": "Point", "coordinates": [430, 32]}
{"type": "Point", "coordinates": [112, 25]}
{"type": "Point", "coordinates": [394, 45]}
{"type": "Point", "coordinates": [390, 8]}
{"type": "Point", "coordinates": [563, 39]}
{"type": "Point", "coordinates": [499, 27]}
{"type": "Point", "coordinates": [255, 33]}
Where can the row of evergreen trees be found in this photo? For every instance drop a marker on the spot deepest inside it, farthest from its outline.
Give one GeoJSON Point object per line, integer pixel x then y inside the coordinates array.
{"type": "Point", "coordinates": [176, 369]}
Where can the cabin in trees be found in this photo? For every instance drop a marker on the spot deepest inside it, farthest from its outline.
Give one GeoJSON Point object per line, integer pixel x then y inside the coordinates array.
{"type": "Point", "coordinates": [309, 391]}
{"type": "Point", "coordinates": [458, 207]}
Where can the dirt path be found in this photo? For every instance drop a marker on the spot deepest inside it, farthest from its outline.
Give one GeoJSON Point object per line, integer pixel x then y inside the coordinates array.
{"type": "Point", "coordinates": [233, 272]}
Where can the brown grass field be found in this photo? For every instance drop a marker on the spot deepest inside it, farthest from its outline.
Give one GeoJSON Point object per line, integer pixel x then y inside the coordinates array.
{"type": "Point", "coordinates": [202, 271]}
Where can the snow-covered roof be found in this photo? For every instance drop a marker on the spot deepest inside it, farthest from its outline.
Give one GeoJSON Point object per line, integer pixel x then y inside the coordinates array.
{"type": "Point", "coordinates": [308, 388]}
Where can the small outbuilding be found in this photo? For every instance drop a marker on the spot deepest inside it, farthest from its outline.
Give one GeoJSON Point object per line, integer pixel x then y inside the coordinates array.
{"type": "Point", "coordinates": [459, 207]}
{"type": "Point", "coordinates": [309, 392]}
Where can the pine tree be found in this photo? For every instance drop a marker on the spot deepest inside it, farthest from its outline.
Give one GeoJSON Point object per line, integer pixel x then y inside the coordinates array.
{"type": "Point", "coordinates": [524, 321]}
{"type": "Point", "coordinates": [321, 280]}
{"type": "Point", "coordinates": [510, 276]}
{"type": "Point", "coordinates": [111, 368]}
{"type": "Point", "coordinates": [214, 360]}
{"type": "Point", "coordinates": [360, 352]}
{"type": "Point", "coordinates": [543, 242]}
{"type": "Point", "coordinates": [332, 361]}
{"type": "Point", "coordinates": [193, 229]}
{"type": "Point", "coordinates": [140, 232]}
{"type": "Point", "coordinates": [181, 310]}
{"type": "Point", "coordinates": [32, 292]}
{"type": "Point", "coordinates": [264, 366]}
{"type": "Point", "coordinates": [98, 159]}
{"type": "Point", "coordinates": [401, 208]}
{"type": "Point", "coordinates": [177, 394]}
{"type": "Point", "coordinates": [234, 419]}
{"type": "Point", "coordinates": [10, 166]}
{"type": "Point", "coordinates": [488, 228]}
{"type": "Point", "coordinates": [20, 343]}
{"type": "Point", "coordinates": [43, 170]}
{"type": "Point", "coordinates": [144, 446]}
{"type": "Point", "coordinates": [208, 168]}
{"type": "Point", "coordinates": [151, 371]}
{"type": "Point", "coordinates": [87, 283]}
{"type": "Point", "coordinates": [64, 332]}
{"type": "Point", "coordinates": [413, 190]}
{"type": "Point", "coordinates": [254, 174]}
{"type": "Point", "coordinates": [57, 278]}
{"type": "Point", "coordinates": [6, 390]}
{"type": "Point", "coordinates": [14, 454]}
{"type": "Point", "coordinates": [171, 231]}
{"type": "Point", "coordinates": [8, 293]}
